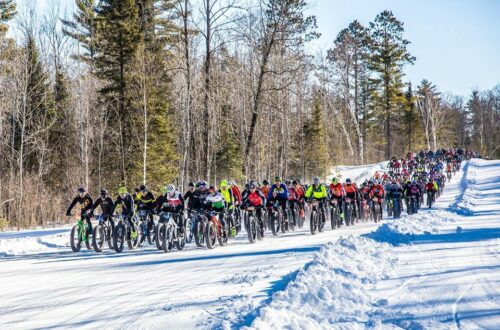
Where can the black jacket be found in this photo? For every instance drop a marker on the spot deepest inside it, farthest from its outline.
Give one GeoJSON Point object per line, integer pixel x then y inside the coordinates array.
{"type": "Point", "coordinates": [86, 203]}
{"type": "Point", "coordinates": [127, 204]}
{"type": "Point", "coordinates": [106, 205]}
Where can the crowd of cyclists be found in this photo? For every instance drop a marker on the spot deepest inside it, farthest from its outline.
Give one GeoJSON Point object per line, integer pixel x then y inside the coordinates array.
{"type": "Point", "coordinates": [209, 214]}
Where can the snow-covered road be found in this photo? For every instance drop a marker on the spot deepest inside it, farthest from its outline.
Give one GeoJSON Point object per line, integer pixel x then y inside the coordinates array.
{"type": "Point", "coordinates": [45, 285]}
{"type": "Point", "coordinates": [437, 269]}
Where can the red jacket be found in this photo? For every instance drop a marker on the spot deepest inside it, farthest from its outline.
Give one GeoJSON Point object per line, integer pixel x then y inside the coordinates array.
{"type": "Point", "coordinates": [337, 190]}
{"type": "Point", "coordinates": [429, 186]}
{"type": "Point", "coordinates": [236, 193]}
{"type": "Point", "coordinates": [293, 194]}
{"type": "Point", "coordinates": [300, 191]}
{"type": "Point", "coordinates": [377, 191]}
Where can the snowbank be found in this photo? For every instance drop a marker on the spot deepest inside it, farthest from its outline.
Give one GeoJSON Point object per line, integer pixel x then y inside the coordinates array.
{"type": "Point", "coordinates": [30, 245]}
{"type": "Point", "coordinates": [464, 204]}
{"type": "Point", "coordinates": [332, 292]}
{"type": "Point", "coordinates": [405, 229]}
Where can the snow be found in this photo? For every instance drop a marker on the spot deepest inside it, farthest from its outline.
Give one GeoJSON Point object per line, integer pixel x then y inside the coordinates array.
{"type": "Point", "coordinates": [358, 174]}
{"type": "Point", "coordinates": [438, 269]}
{"type": "Point", "coordinates": [419, 272]}
{"type": "Point", "coordinates": [30, 242]}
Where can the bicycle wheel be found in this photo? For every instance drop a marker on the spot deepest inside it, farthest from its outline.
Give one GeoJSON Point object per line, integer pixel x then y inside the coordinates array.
{"type": "Point", "coordinates": [180, 243]}
{"type": "Point", "coordinates": [98, 238]}
{"type": "Point", "coordinates": [313, 224]}
{"type": "Point", "coordinates": [333, 217]}
{"type": "Point", "coordinates": [134, 236]}
{"type": "Point", "coordinates": [275, 224]}
{"type": "Point", "coordinates": [168, 237]}
{"type": "Point", "coordinates": [159, 236]}
{"type": "Point", "coordinates": [210, 235]}
{"type": "Point", "coordinates": [199, 233]}
{"type": "Point", "coordinates": [151, 233]}
{"type": "Point", "coordinates": [188, 232]}
{"type": "Point", "coordinates": [252, 230]}
{"type": "Point", "coordinates": [119, 235]}
{"type": "Point", "coordinates": [75, 240]}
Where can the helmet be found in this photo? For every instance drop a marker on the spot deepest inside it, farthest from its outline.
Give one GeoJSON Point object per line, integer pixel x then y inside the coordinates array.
{"type": "Point", "coordinates": [104, 192]}
{"type": "Point", "coordinates": [223, 184]}
{"type": "Point", "coordinates": [81, 190]}
{"type": "Point", "coordinates": [277, 178]}
{"type": "Point", "coordinates": [170, 188]}
{"type": "Point", "coordinates": [334, 180]}
{"type": "Point", "coordinates": [252, 185]}
{"type": "Point", "coordinates": [163, 190]}
{"type": "Point", "coordinates": [212, 189]}
{"type": "Point", "coordinates": [287, 182]}
{"type": "Point", "coordinates": [143, 188]}
{"type": "Point", "coordinates": [232, 183]}
{"type": "Point", "coordinates": [294, 182]}
{"type": "Point", "coordinates": [348, 181]}
{"type": "Point", "coordinates": [191, 184]}
{"type": "Point", "coordinates": [122, 190]}
{"type": "Point", "coordinates": [316, 180]}
{"type": "Point", "coordinates": [265, 183]}
{"type": "Point", "coordinates": [202, 183]}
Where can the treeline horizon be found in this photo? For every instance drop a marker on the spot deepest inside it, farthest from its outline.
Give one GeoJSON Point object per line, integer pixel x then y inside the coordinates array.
{"type": "Point", "coordinates": [130, 92]}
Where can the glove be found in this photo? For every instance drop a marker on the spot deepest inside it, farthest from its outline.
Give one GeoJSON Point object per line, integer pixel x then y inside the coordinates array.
{"type": "Point", "coordinates": [68, 214]}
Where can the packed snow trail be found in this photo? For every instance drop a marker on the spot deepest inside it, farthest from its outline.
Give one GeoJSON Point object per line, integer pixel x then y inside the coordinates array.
{"type": "Point", "coordinates": [432, 270]}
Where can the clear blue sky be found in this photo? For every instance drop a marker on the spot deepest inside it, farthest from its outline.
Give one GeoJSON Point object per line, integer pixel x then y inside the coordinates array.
{"type": "Point", "coordinates": [456, 42]}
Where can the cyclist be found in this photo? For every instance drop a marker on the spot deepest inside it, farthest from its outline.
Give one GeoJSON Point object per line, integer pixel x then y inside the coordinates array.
{"type": "Point", "coordinates": [144, 200]}
{"type": "Point", "coordinates": [256, 199]}
{"type": "Point", "coordinates": [301, 194]}
{"type": "Point", "coordinates": [293, 198]}
{"type": "Point", "coordinates": [217, 203]}
{"type": "Point", "coordinates": [86, 207]}
{"type": "Point", "coordinates": [265, 187]}
{"type": "Point", "coordinates": [377, 191]}
{"type": "Point", "coordinates": [351, 191]}
{"type": "Point", "coordinates": [188, 196]}
{"type": "Point", "coordinates": [170, 202]}
{"type": "Point", "coordinates": [106, 204]}
{"type": "Point", "coordinates": [227, 191]}
{"type": "Point", "coordinates": [432, 187]}
{"type": "Point", "coordinates": [337, 192]}
{"type": "Point", "coordinates": [278, 193]}
{"type": "Point", "coordinates": [317, 191]}
{"type": "Point", "coordinates": [126, 201]}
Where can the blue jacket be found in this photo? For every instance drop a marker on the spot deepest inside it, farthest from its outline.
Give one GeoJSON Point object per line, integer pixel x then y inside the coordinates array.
{"type": "Point", "coordinates": [282, 192]}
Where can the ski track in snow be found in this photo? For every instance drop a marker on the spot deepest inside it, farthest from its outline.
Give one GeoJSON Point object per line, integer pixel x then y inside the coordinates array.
{"type": "Point", "coordinates": [438, 269]}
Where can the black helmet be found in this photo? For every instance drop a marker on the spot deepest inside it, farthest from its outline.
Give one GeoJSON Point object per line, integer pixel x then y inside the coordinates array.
{"type": "Point", "coordinates": [104, 192]}
{"type": "Point", "coordinates": [294, 182]}
{"type": "Point", "coordinates": [265, 183]}
{"type": "Point", "coordinates": [252, 185]}
{"type": "Point", "coordinates": [81, 190]}
{"type": "Point", "coordinates": [191, 184]}
{"type": "Point", "coordinates": [143, 188]}
{"type": "Point", "coordinates": [287, 182]}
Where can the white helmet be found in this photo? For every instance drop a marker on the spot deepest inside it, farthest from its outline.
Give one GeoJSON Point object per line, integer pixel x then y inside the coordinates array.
{"type": "Point", "coordinates": [170, 189]}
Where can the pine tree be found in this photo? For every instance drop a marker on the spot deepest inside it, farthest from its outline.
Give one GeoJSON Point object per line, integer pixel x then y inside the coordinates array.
{"type": "Point", "coordinates": [84, 28]}
{"type": "Point", "coordinates": [228, 156]}
{"type": "Point", "coordinates": [388, 57]}
{"type": "Point", "coordinates": [315, 136]}
{"type": "Point", "coordinates": [7, 12]}
{"type": "Point", "coordinates": [119, 38]}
